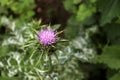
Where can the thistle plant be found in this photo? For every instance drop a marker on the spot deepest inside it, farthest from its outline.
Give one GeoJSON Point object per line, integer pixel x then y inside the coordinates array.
{"type": "Point", "coordinates": [32, 60]}
{"type": "Point", "coordinates": [44, 39]}
{"type": "Point", "coordinates": [42, 55]}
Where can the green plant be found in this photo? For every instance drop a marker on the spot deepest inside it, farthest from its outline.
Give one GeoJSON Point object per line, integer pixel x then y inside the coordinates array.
{"type": "Point", "coordinates": [103, 19]}
{"type": "Point", "coordinates": [90, 50]}
{"type": "Point", "coordinates": [21, 9]}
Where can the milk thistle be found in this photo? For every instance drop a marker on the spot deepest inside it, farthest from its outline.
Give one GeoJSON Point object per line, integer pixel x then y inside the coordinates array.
{"type": "Point", "coordinates": [47, 36]}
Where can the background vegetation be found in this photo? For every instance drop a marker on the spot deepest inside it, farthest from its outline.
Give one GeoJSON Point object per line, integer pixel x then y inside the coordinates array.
{"type": "Point", "coordinates": [88, 49]}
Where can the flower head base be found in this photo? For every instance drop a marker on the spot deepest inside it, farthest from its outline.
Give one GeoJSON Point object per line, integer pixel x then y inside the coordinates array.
{"type": "Point", "coordinates": [47, 36]}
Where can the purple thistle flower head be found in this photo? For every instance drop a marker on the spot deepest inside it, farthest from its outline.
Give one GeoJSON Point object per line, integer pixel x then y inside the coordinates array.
{"type": "Point", "coordinates": [47, 36]}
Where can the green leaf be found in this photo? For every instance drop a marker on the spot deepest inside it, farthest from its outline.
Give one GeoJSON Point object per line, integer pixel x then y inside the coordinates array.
{"type": "Point", "coordinates": [4, 50]}
{"type": "Point", "coordinates": [84, 12]}
{"type": "Point", "coordinates": [110, 56]}
{"type": "Point", "coordinates": [9, 78]}
{"type": "Point", "coordinates": [5, 77]}
{"type": "Point", "coordinates": [113, 33]}
{"type": "Point", "coordinates": [3, 2]}
{"type": "Point", "coordinates": [76, 1]}
{"type": "Point", "coordinates": [92, 1]}
{"type": "Point", "coordinates": [30, 14]}
{"type": "Point", "coordinates": [70, 6]}
{"type": "Point", "coordinates": [72, 30]}
{"type": "Point", "coordinates": [109, 9]}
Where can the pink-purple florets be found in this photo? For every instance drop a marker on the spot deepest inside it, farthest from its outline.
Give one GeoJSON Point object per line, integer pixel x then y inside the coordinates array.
{"type": "Point", "coordinates": [47, 36]}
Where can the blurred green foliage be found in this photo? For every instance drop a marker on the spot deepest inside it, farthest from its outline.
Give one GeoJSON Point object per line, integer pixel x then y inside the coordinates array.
{"type": "Point", "coordinates": [101, 16]}
{"type": "Point", "coordinates": [22, 9]}
{"type": "Point", "coordinates": [90, 48]}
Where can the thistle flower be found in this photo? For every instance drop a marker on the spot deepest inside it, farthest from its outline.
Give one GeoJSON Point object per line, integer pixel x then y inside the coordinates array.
{"type": "Point", "coordinates": [47, 36]}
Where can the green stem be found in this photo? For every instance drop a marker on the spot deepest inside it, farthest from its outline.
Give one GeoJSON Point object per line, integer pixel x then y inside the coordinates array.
{"type": "Point", "coordinates": [39, 59]}
{"type": "Point", "coordinates": [48, 59]}
{"type": "Point", "coordinates": [38, 75]}
{"type": "Point", "coordinates": [33, 52]}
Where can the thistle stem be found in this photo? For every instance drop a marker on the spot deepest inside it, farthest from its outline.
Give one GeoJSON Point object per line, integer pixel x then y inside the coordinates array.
{"type": "Point", "coordinates": [33, 52]}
